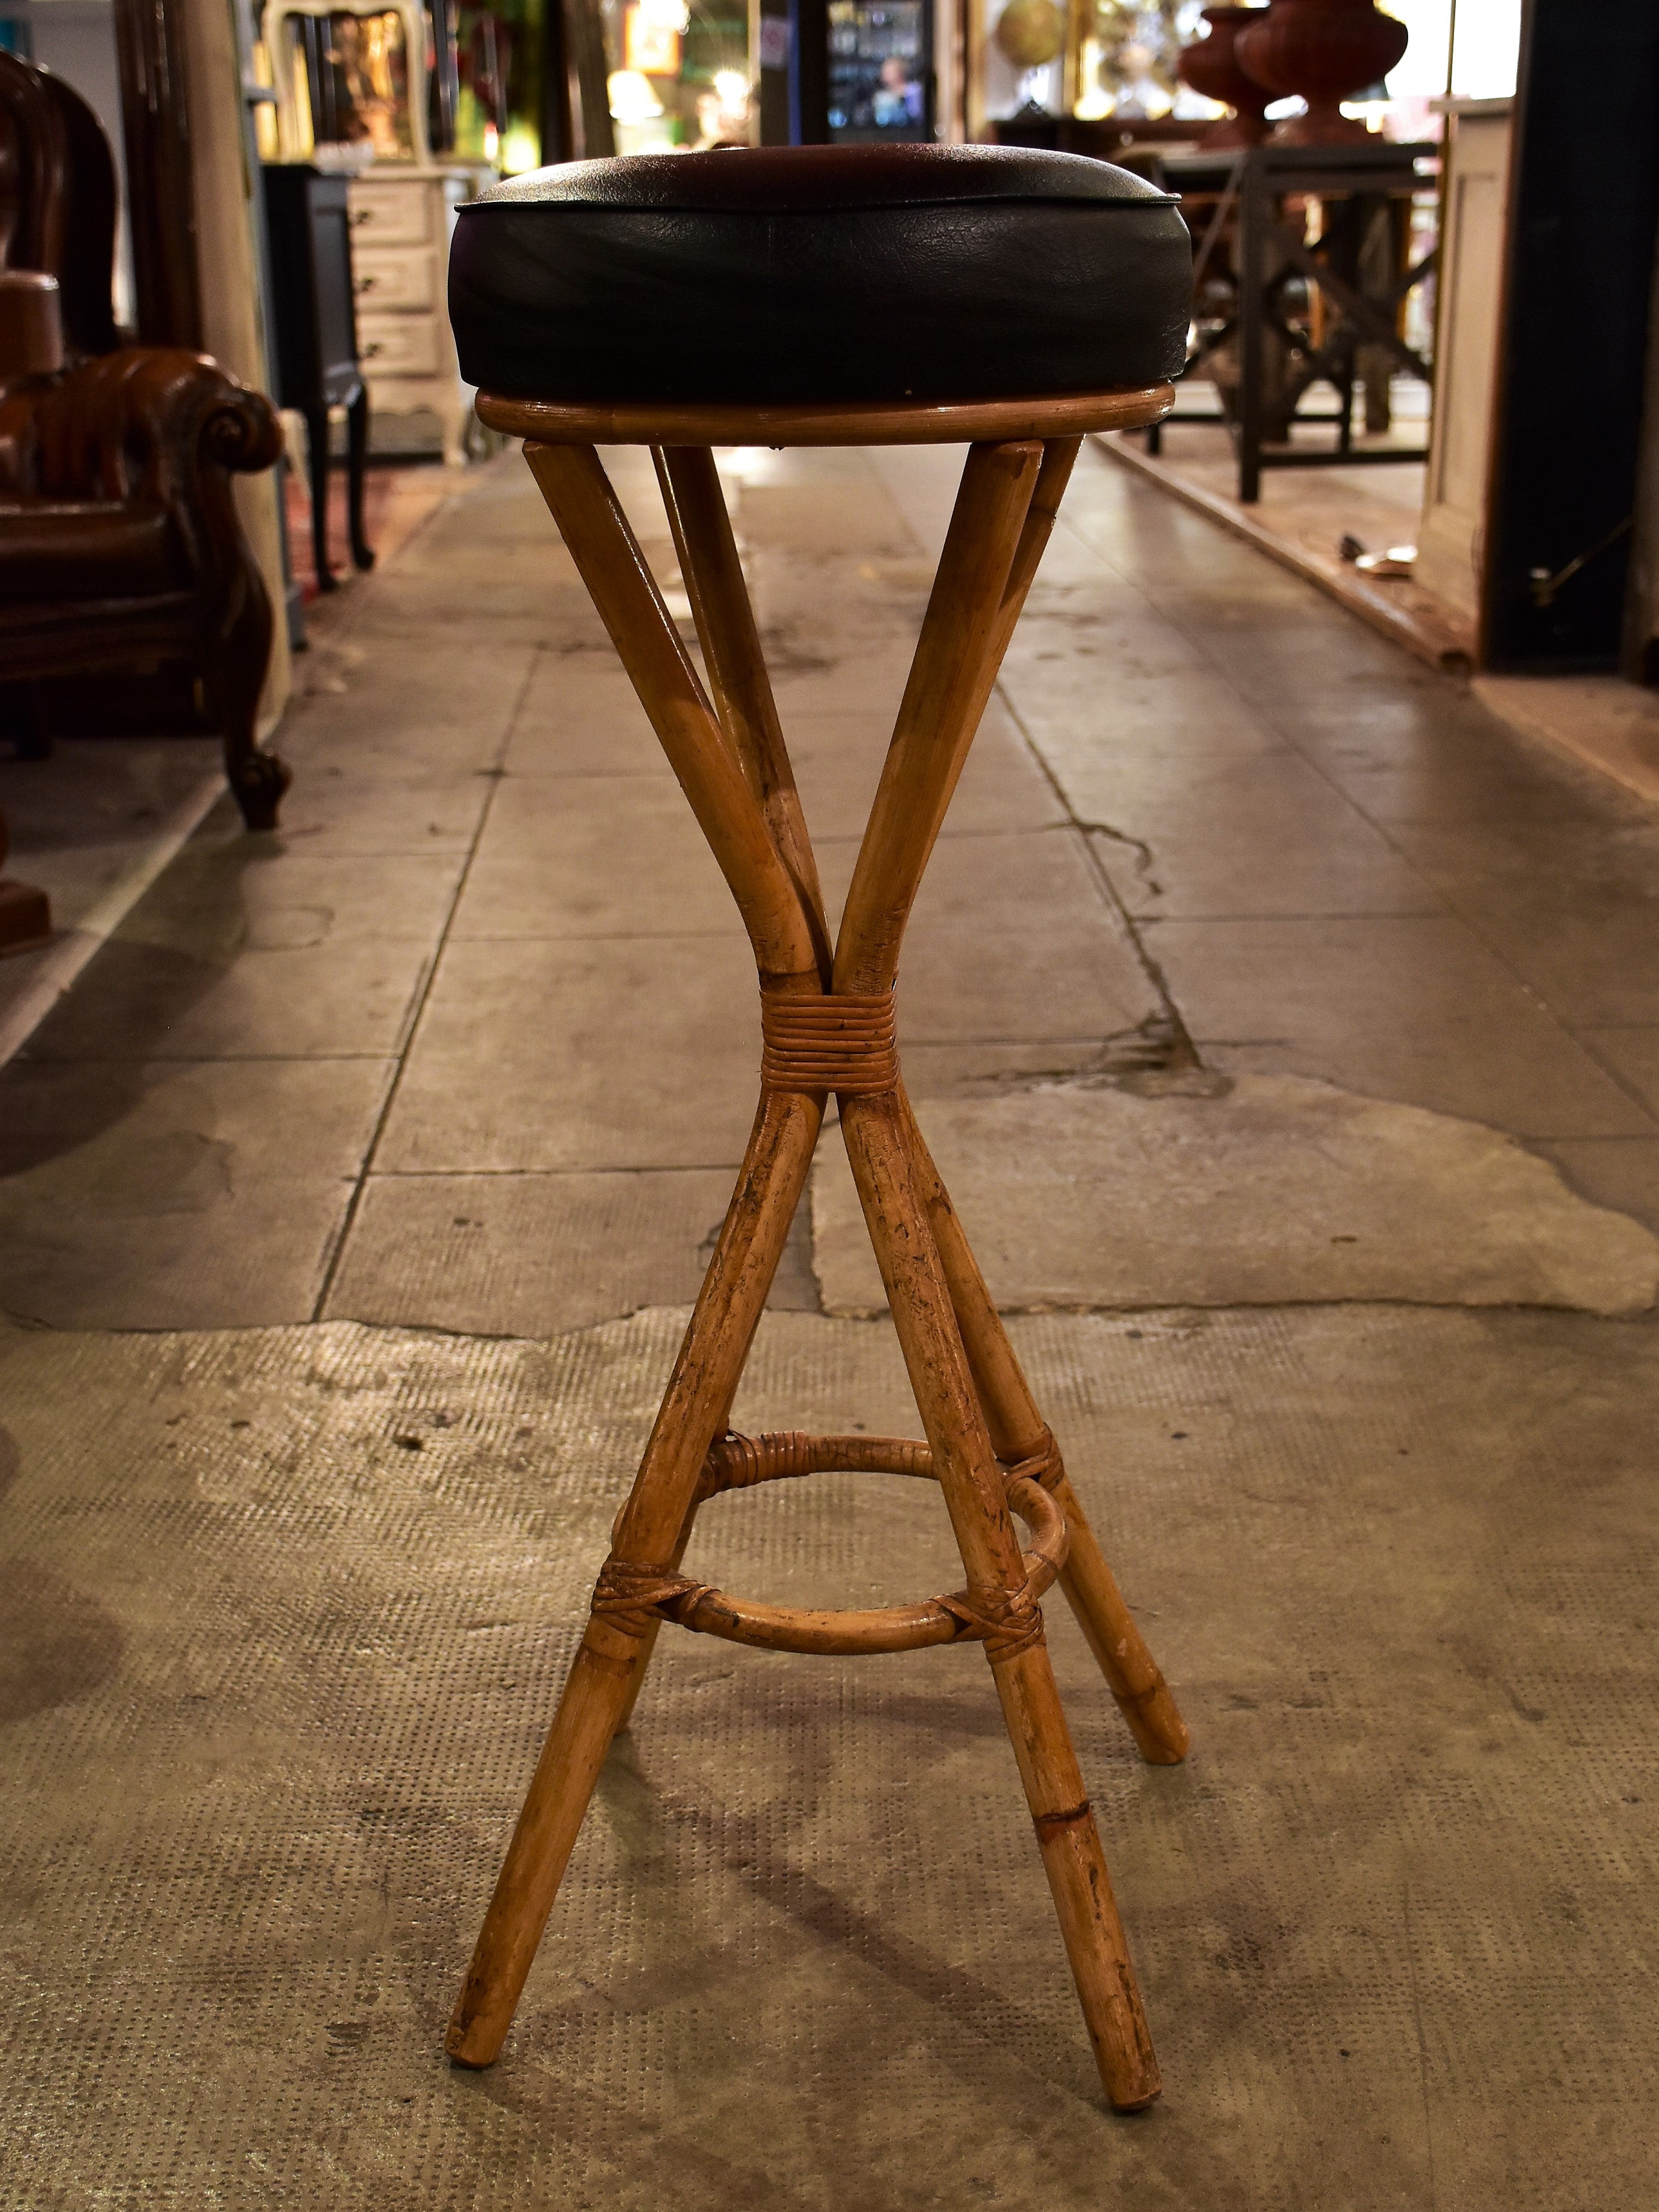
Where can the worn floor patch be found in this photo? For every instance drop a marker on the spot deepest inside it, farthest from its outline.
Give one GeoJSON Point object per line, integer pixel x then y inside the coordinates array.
{"type": "Point", "coordinates": [285, 1611]}
{"type": "Point", "coordinates": [1276, 1190]}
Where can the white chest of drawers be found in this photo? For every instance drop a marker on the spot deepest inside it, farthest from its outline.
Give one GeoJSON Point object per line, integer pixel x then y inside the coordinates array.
{"type": "Point", "coordinates": [401, 220]}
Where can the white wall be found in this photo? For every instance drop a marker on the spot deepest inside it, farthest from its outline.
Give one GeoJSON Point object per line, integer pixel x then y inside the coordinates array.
{"type": "Point", "coordinates": [1488, 39]}
{"type": "Point", "coordinates": [76, 39]}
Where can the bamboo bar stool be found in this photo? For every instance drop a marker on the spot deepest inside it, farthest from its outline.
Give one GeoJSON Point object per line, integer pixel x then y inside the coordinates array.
{"type": "Point", "coordinates": [1011, 301]}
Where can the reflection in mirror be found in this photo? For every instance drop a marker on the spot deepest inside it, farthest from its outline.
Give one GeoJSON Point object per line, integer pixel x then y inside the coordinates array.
{"type": "Point", "coordinates": [352, 77]}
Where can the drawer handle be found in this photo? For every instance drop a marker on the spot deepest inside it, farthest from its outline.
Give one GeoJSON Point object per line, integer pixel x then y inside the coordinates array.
{"type": "Point", "coordinates": [365, 284]}
{"type": "Point", "coordinates": [368, 352]}
{"type": "Point", "coordinates": [359, 216]}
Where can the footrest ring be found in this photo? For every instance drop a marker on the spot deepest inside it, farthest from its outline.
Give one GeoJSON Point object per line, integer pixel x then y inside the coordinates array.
{"type": "Point", "coordinates": [631, 1596]}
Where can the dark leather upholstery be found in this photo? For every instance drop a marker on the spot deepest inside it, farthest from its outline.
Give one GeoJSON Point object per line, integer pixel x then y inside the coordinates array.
{"type": "Point", "coordinates": [798, 274]}
{"type": "Point", "coordinates": [87, 549]}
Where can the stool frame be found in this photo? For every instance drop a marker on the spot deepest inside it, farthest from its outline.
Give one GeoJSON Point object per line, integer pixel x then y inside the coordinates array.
{"type": "Point", "coordinates": [827, 1022]}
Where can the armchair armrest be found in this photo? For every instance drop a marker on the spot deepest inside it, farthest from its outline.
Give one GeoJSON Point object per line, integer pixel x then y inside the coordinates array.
{"type": "Point", "coordinates": [145, 422]}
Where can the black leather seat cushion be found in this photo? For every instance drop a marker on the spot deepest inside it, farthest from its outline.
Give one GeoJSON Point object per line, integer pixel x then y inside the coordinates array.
{"type": "Point", "coordinates": [795, 274]}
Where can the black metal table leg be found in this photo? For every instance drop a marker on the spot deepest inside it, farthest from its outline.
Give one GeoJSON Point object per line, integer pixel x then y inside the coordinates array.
{"type": "Point", "coordinates": [356, 463]}
{"type": "Point", "coordinates": [316, 439]}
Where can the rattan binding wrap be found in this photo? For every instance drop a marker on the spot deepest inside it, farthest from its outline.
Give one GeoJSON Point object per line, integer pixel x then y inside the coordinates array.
{"type": "Point", "coordinates": [844, 1042]}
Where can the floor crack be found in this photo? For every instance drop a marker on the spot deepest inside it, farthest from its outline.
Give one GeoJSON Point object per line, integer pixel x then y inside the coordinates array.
{"type": "Point", "coordinates": [1138, 846]}
{"type": "Point", "coordinates": [1182, 1054]}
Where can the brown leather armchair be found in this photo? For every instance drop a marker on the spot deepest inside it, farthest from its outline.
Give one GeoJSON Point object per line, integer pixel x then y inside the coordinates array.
{"type": "Point", "coordinates": [120, 546]}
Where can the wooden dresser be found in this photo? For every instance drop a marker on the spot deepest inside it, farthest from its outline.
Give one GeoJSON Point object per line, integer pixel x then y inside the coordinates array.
{"type": "Point", "coordinates": [401, 220]}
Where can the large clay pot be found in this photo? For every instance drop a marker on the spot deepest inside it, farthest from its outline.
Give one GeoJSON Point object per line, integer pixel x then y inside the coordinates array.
{"type": "Point", "coordinates": [1213, 68]}
{"type": "Point", "coordinates": [1326, 50]}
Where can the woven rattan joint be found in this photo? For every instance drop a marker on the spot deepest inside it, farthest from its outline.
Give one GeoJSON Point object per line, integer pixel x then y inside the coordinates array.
{"type": "Point", "coordinates": [633, 1596]}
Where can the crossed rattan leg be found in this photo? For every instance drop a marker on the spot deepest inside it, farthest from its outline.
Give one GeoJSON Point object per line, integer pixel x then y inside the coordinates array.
{"type": "Point", "coordinates": [828, 1029]}
{"type": "Point", "coordinates": [882, 1165]}
{"type": "Point", "coordinates": [748, 716]}
{"type": "Point", "coordinates": [1023, 1437]}
{"type": "Point", "coordinates": [613, 1650]}
{"type": "Point", "coordinates": [743, 697]}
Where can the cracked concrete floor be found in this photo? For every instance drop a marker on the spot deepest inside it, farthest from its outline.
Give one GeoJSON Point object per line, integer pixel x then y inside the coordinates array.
{"type": "Point", "coordinates": [1236, 908]}
{"type": "Point", "coordinates": [470, 1044]}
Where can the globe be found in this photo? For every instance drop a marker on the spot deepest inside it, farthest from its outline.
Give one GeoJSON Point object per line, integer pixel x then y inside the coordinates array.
{"type": "Point", "coordinates": [1030, 31]}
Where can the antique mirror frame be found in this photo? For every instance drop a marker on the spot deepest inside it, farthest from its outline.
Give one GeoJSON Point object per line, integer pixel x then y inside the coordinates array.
{"type": "Point", "coordinates": [279, 14]}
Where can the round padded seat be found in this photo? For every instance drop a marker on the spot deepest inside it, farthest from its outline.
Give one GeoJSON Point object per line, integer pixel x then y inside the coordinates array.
{"type": "Point", "coordinates": [784, 275]}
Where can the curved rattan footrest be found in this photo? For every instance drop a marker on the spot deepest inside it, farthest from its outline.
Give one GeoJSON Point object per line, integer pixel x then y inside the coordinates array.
{"type": "Point", "coordinates": [633, 1596]}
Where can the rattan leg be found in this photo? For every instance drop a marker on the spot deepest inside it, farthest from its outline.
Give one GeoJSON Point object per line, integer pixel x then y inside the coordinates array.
{"type": "Point", "coordinates": [1076, 1867]}
{"type": "Point", "coordinates": [702, 528]}
{"type": "Point", "coordinates": [1019, 1433]}
{"type": "Point", "coordinates": [720, 607]}
{"type": "Point", "coordinates": [608, 1665]}
{"type": "Point", "coordinates": [594, 1693]}
{"type": "Point", "coordinates": [649, 1641]}
{"type": "Point", "coordinates": [884, 1171]}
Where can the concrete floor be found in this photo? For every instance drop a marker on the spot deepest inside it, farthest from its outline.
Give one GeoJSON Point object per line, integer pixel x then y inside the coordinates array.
{"type": "Point", "coordinates": [471, 1043]}
{"type": "Point", "coordinates": [1303, 518]}
{"type": "Point", "coordinates": [1240, 912]}
{"type": "Point", "coordinates": [1395, 1918]}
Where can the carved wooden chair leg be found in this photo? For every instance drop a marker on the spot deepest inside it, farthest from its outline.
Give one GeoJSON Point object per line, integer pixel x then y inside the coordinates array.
{"type": "Point", "coordinates": [362, 554]}
{"type": "Point", "coordinates": [317, 455]}
{"type": "Point", "coordinates": [237, 657]}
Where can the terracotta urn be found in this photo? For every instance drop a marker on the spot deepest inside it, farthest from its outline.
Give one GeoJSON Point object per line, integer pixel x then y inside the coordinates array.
{"type": "Point", "coordinates": [1325, 50]}
{"type": "Point", "coordinates": [1212, 67]}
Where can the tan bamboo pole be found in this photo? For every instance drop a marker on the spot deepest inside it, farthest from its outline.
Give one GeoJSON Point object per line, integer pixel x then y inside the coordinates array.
{"type": "Point", "coordinates": [720, 607]}
{"type": "Point", "coordinates": [651, 1526]}
{"type": "Point", "coordinates": [962, 635]}
{"type": "Point", "coordinates": [1018, 1432]}
{"type": "Point", "coordinates": [649, 1641]}
{"type": "Point", "coordinates": [596, 1693]}
{"type": "Point", "coordinates": [1078, 1881]}
{"type": "Point", "coordinates": [1017, 1425]}
{"type": "Point", "coordinates": [1058, 457]}
{"type": "Point", "coordinates": [1072, 1860]}
{"type": "Point", "coordinates": [543, 1839]}
{"type": "Point", "coordinates": [964, 1460]}
{"type": "Point", "coordinates": [936, 717]}
{"type": "Point", "coordinates": [622, 589]}
{"type": "Point", "coordinates": [723, 1324]}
